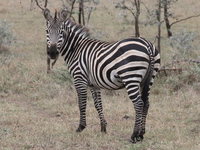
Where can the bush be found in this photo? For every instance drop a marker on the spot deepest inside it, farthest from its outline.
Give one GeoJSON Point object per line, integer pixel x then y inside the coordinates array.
{"type": "Point", "coordinates": [6, 36]}
{"type": "Point", "coordinates": [183, 46]}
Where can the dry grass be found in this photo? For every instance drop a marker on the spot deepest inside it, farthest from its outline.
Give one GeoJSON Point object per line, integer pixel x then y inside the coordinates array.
{"type": "Point", "coordinates": [38, 111]}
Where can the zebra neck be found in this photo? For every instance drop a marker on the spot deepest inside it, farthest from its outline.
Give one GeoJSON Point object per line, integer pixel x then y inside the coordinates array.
{"type": "Point", "coordinates": [74, 35]}
{"type": "Point", "coordinates": [71, 47]}
{"type": "Point", "coordinates": [77, 29]}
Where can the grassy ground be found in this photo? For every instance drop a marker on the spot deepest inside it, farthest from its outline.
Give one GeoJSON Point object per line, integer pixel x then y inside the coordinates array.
{"type": "Point", "coordinates": [40, 111]}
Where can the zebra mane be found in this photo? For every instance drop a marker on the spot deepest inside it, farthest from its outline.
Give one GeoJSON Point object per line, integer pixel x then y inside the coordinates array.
{"type": "Point", "coordinates": [77, 28]}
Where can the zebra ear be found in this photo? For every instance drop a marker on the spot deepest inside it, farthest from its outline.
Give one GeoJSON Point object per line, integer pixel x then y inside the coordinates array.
{"type": "Point", "coordinates": [63, 15]}
{"type": "Point", "coordinates": [47, 14]}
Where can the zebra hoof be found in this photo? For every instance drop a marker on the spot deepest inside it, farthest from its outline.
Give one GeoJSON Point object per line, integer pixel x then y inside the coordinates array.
{"type": "Point", "coordinates": [136, 138]}
{"type": "Point", "coordinates": [140, 138]}
{"type": "Point", "coordinates": [80, 128]}
{"type": "Point", "coordinates": [103, 128]}
{"type": "Point", "coordinates": [132, 141]}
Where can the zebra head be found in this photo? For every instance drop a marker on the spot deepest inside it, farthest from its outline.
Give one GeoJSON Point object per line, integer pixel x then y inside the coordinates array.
{"type": "Point", "coordinates": [54, 31]}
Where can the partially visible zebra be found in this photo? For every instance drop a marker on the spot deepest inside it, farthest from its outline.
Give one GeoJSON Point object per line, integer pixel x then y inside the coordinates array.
{"type": "Point", "coordinates": [131, 63]}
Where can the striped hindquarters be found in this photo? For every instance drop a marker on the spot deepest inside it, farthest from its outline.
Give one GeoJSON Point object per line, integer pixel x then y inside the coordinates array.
{"type": "Point", "coordinates": [125, 61]}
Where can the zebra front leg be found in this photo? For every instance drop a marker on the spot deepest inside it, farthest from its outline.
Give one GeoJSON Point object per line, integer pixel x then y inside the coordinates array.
{"type": "Point", "coordinates": [48, 64]}
{"type": "Point", "coordinates": [82, 102]}
{"type": "Point", "coordinates": [53, 63]}
{"type": "Point", "coordinates": [96, 93]}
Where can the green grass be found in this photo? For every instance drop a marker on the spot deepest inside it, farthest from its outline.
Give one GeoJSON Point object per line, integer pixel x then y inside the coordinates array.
{"type": "Point", "coordinates": [40, 110]}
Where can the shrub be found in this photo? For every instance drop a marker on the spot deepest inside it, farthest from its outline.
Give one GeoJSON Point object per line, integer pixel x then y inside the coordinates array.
{"type": "Point", "coordinates": [6, 36]}
{"type": "Point", "coordinates": [182, 44]}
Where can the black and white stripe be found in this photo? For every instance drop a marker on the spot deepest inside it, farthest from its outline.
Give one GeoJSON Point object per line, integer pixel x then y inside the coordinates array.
{"type": "Point", "coordinates": [131, 63]}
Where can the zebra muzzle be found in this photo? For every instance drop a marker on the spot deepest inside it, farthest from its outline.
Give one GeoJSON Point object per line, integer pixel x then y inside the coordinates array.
{"type": "Point", "coordinates": [52, 52]}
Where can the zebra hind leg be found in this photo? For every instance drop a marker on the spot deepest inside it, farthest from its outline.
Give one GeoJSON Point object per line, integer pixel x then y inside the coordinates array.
{"type": "Point", "coordinates": [141, 105]}
{"type": "Point", "coordinates": [98, 105]}
{"type": "Point", "coordinates": [134, 95]}
{"type": "Point", "coordinates": [145, 97]}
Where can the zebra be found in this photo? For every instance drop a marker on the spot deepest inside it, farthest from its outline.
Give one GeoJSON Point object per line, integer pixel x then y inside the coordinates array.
{"type": "Point", "coordinates": [49, 64]}
{"type": "Point", "coordinates": [131, 63]}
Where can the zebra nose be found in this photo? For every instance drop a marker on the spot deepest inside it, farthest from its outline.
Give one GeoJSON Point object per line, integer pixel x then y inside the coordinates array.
{"type": "Point", "coordinates": [53, 52]}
